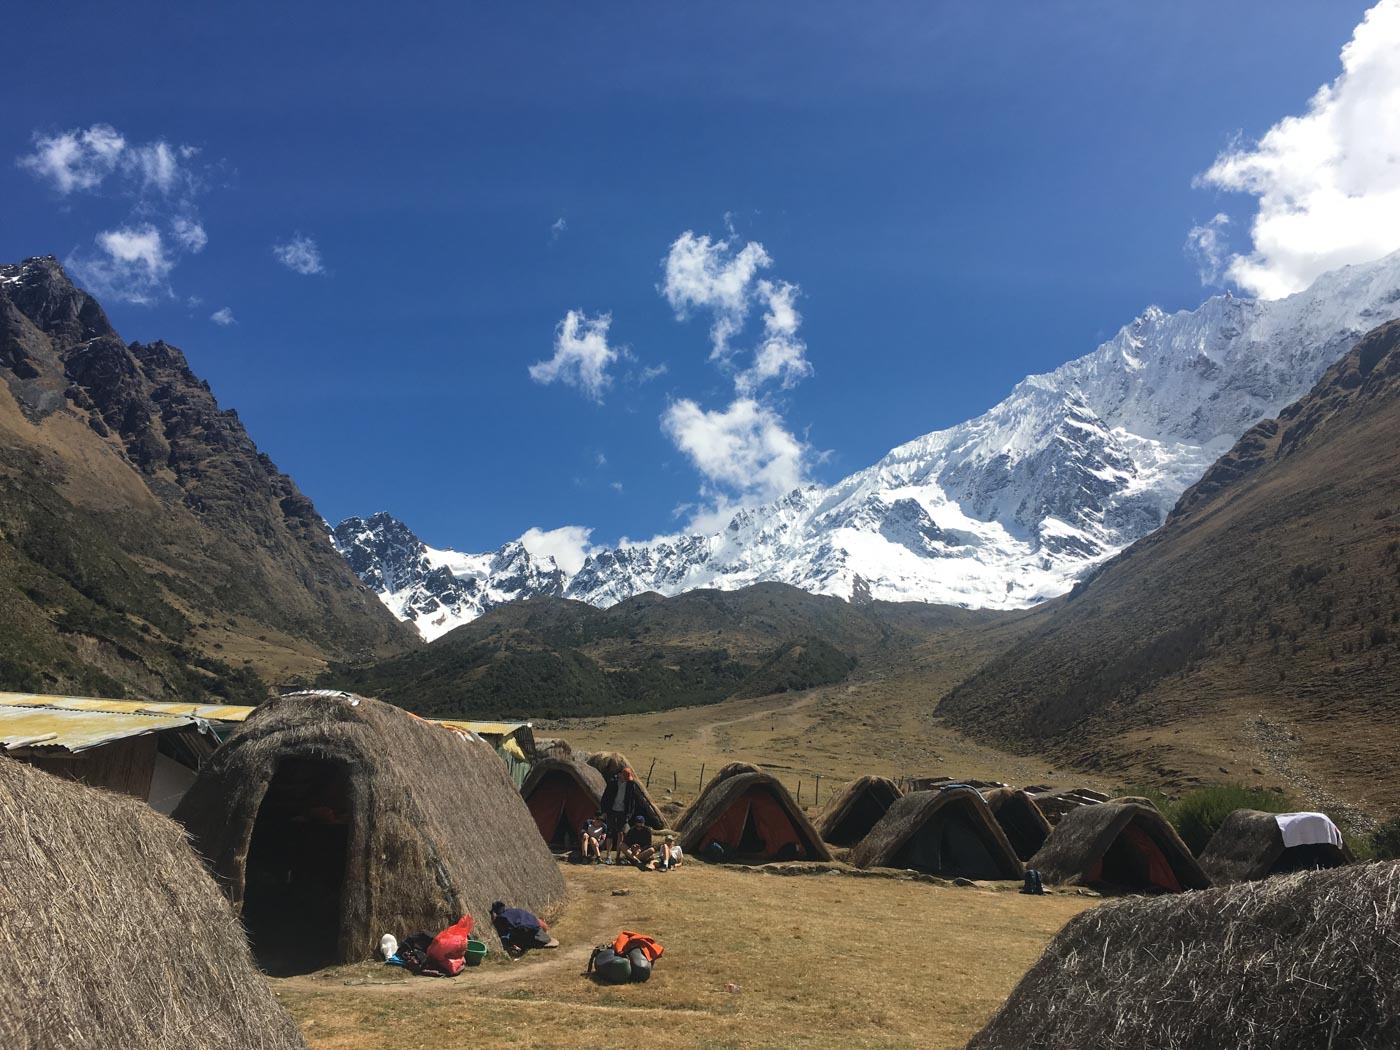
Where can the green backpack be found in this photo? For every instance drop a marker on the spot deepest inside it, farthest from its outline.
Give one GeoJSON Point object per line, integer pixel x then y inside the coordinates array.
{"type": "Point", "coordinates": [610, 967]}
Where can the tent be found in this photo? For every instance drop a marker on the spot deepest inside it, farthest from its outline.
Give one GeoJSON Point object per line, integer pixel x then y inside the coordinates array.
{"type": "Point", "coordinates": [331, 820]}
{"type": "Point", "coordinates": [950, 832]}
{"type": "Point", "coordinates": [849, 816]}
{"type": "Point", "coordinates": [1299, 962]}
{"type": "Point", "coordinates": [1251, 845]}
{"type": "Point", "coordinates": [561, 794]}
{"type": "Point", "coordinates": [609, 764]}
{"type": "Point", "coordinates": [1119, 847]}
{"type": "Point", "coordinates": [113, 933]}
{"type": "Point", "coordinates": [752, 817]}
{"type": "Point", "coordinates": [1025, 826]}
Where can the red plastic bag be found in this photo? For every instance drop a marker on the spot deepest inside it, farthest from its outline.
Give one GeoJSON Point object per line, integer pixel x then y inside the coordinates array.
{"type": "Point", "coordinates": [448, 952]}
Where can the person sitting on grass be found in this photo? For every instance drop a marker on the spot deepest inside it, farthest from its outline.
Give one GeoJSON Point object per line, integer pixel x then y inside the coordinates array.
{"type": "Point", "coordinates": [670, 855]}
{"type": "Point", "coordinates": [636, 847]}
{"type": "Point", "coordinates": [592, 840]}
{"type": "Point", "coordinates": [520, 930]}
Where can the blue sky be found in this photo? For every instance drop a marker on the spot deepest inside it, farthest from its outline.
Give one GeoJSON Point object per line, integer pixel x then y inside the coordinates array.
{"type": "Point", "coordinates": [398, 207]}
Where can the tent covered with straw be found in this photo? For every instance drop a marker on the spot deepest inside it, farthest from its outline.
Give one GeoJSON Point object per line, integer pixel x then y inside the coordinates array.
{"type": "Point", "coordinates": [1118, 847]}
{"type": "Point", "coordinates": [610, 764]}
{"type": "Point", "coordinates": [752, 817]}
{"type": "Point", "coordinates": [114, 935]}
{"type": "Point", "coordinates": [561, 793]}
{"type": "Point", "coordinates": [1251, 845]}
{"type": "Point", "coordinates": [849, 816]}
{"type": "Point", "coordinates": [1300, 962]}
{"type": "Point", "coordinates": [1025, 826]}
{"type": "Point", "coordinates": [331, 820]}
{"type": "Point", "coordinates": [950, 833]}
{"type": "Point", "coordinates": [1054, 803]}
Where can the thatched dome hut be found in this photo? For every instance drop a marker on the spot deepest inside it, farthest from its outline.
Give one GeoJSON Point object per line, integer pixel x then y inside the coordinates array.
{"type": "Point", "coordinates": [1300, 962]}
{"type": "Point", "coordinates": [1020, 818]}
{"type": "Point", "coordinates": [114, 935]}
{"type": "Point", "coordinates": [752, 816]}
{"type": "Point", "coordinates": [1249, 845]}
{"type": "Point", "coordinates": [1119, 847]}
{"type": "Point", "coordinates": [950, 833]}
{"type": "Point", "coordinates": [561, 794]}
{"type": "Point", "coordinates": [331, 819]}
{"type": "Point", "coordinates": [849, 816]}
{"type": "Point", "coordinates": [610, 764]}
{"type": "Point", "coordinates": [1054, 803]}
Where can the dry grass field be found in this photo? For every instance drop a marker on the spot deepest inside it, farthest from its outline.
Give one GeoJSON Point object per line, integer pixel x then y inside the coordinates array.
{"type": "Point", "coordinates": [822, 960]}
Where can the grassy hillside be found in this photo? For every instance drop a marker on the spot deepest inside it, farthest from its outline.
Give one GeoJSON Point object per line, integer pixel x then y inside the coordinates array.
{"type": "Point", "coordinates": [146, 547]}
{"type": "Point", "coordinates": [1262, 620]}
{"type": "Point", "coordinates": [549, 657]}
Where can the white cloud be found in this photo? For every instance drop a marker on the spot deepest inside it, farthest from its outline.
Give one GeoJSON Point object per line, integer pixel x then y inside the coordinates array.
{"type": "Point", "coordinates": [568, 546]}
{"type": "Point", "coordinates": [616, 486]}
{"type": "Point", "coordinates": [706, 274]}
{"type": "Point", "coordinates": [132, 265]}
{"type": "Point", "coordinates": [77, 159]}
{"type": "Point", "coordinates": [300, 255]}
{"type": "Point", "coordinates": [189, 233]}
{"type": "Point", "coordinates": [1207, 244]}
{"type": "Point", "coordinates": [581, 355]}
{"type": "Point", "coordinates": [223, 317]}
{"type": "Point", "coordinates": [781, 355]}
{"type": "Point", "coordinates": [557, 228]}
{"type": "Point", "coordinates": [745, 449]}
{"type": "Point", "coordinates": [1328, 182]}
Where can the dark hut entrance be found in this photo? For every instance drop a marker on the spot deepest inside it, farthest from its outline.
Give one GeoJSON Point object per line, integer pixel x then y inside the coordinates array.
{"type": "Point", "coordinates": [865, 812]}
{"type": "Point", "coordinates": [756, 827]}
{"type": "Point", "coordinates": [295, 871]}
{"type": "Point", "coordinates": [948, 844]}
{"type": "Point", "coordinates": [1135, 863]}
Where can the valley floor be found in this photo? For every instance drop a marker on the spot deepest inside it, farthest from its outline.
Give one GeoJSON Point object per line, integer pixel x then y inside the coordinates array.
{"type": "Point", "coordinates": [819, 960]}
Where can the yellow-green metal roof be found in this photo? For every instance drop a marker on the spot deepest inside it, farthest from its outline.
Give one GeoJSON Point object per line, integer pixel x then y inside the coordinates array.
{"type": "Point", "coordinates": [208, 712]}
{"type": "Point", "coordinates": [483, 728]}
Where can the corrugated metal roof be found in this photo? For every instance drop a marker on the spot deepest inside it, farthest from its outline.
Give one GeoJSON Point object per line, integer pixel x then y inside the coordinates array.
{"type": "Point", "coordinates": [77, 730]}
{"type": "Point", "coordinates": [483, 728]}
{"type": "Point", "coordinates": [208, 712]}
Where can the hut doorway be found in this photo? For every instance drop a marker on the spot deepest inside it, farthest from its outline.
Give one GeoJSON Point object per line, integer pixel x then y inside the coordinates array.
{"type": "Point", "coordinates": [1135, 862]}
{"type": "Point", "coordinates": [295, 873]}
{"type": "Point", "coordinates": [948, 844]}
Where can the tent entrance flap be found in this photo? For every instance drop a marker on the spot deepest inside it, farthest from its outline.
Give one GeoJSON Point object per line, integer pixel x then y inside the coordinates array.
{"type": "Point", "coordinates": [1134, 861]}
{"type": "Point", "coordinates": [756, 825]}
{"type": "Point", "coordinates": [559, 807]}
{"type": "Point", "coordinates": [295, 872]}
{"type": "Point", "coordinates": [949, 845]}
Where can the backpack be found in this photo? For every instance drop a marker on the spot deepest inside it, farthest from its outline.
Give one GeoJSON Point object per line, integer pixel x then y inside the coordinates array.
{"type": "Point", "coordinates": [641, 965]}
{"type": "Point", "coordinates": [610, 967]}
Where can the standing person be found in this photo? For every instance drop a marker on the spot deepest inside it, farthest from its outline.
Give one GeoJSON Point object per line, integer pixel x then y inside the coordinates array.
{"type": "Point", "coordinates": [637, 848]}
{"type": "Point", "coordinates": [619, 804]}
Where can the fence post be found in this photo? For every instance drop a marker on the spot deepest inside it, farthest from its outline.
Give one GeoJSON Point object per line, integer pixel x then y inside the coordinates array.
{"type": "Point", "coordinates": [799, 791]}
{"type": "Point", "coordinates": [700, 786]}
{"type": "Point", "coordinates": [818, 800]}
{"type": "Point", "coordinates": [673, 781]}
{"type": "Point", "coordinates": [649, 769]}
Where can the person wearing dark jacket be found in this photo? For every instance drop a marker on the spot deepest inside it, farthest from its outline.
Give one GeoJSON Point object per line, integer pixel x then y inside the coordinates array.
{"type": "Point", "coordinates": [637, 847]}
{"type": "Point", "coordinates": [520, 930]}
{"type": "Point", "coordinates": [619, 805]}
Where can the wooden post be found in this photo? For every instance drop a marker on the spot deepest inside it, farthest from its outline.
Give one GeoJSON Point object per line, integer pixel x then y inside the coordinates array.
{"type": "Point", "coordinates": [818, 800]}
{"type": "Point", "coordinates": [649, 769]}
{"type": "Point", "coordinates": [700, 786]}
{"type": "Point", "coordinates": [673, 781]}
{"type": "Point", "coordinates": [799, 791]}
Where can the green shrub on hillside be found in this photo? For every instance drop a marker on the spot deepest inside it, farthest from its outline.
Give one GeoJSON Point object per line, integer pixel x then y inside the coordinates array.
{"type": "Point", "coordinates": [1385, 841]}
{"type": "Point", "coordinates": [1199, 813]}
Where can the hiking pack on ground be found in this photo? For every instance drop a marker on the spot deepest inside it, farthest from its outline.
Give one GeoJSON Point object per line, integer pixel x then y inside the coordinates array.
{"type": "Point", "coordinates": [627, 958]}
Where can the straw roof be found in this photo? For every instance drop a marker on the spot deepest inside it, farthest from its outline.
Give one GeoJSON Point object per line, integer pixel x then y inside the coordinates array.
{"type": "Point", "coordinates": [584, 775]}
{"type": "Point", "coordinates": [1300, 962]}
{"type": "Point", "coordinates": [114, 935]}
{"type": "Point", "coordinates": [1249, 845]}
{"type": "Point", "coordinates": [1054, 803]}
{"type": "Point", "coordinates": [1025, 825]}
{"type": "Point", "coordinates": [850, 815]}
{"type": "Point", "coordinates": [1085, 835]}
{"type": "Point", "coordinates": [610, 763]}
{"type": "Point", "coordinates": [900, 827]}
{"type": "Point", "coordinates": [727, 788]}
{"type": "Point", "coordinates": [435, 823]}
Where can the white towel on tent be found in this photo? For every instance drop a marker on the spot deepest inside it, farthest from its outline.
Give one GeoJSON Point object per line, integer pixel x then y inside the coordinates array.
{"type": "Point", "coordinates": [1308, 829]}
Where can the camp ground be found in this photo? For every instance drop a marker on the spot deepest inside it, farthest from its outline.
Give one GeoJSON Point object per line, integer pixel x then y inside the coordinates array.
{"type": "Point", "coordinates": [1252, 845]}
{"type": "Point", "coordinates": [330, 819]}
{"type": "Point", "coordinates": [1121, 847]}
{"type": "Point", "coordinates": [948, 832]}
{"type": "Point", "coordinates": [561, 793]}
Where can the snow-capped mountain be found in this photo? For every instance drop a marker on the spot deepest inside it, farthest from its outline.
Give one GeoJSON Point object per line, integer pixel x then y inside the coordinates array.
{"type": "Point", "coordinates": [1002, 511]}
{"type": "Point", "coordinates": [438, 590]}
